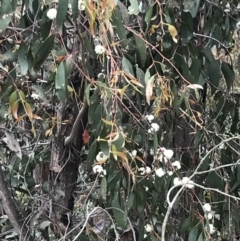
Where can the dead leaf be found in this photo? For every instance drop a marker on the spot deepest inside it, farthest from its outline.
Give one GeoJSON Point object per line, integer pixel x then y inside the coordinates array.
{"type": "Point", "coordinates": [86, 137]}
{"type": "Point", "coordinates": [13, 144]}
{"type": "Point", "coordinates": [173, 31]}
{"type": "Point", "coordinates": [149, 91]}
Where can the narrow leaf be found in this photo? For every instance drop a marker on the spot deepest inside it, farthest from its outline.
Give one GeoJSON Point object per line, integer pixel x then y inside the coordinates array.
{"type": "Point", "coordinates": [61, 14]}
{"type": "Point", "coordinates": [43, 51]}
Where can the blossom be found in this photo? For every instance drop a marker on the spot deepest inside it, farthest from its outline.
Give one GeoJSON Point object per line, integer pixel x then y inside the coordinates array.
{"type": "Point", "coordinates": [97, 169]}
{"type": "Point", "coordinates": [162, 158]}
{"type": "Point", "coordinates": [134, 153]}
{"type": "Point", "coordinates": [148, 227]}
{"type": "Point", "coordinates": [81, 5]}
{"type": "Point", "coordinates": [168, 153]}
{"type": "Point", "coordinates": [208, 216]}
{"type": "Point", "coordinates": [101, 157]}
{"type": "Point", "coordinates": [189, 183]}
{"type": "Point", "coordinates": [207, 207]}
{"type": "Point", "coordinates": [155, 127]}
{"type": "Point", "coordinates": [142, 170]}
{"type": "Point", "coordinates": [99, 49]}
{"type": "Point", "coordinates": [148, 170]}
{"type": "Point", "coordinates": [52, 13]}
{"type": "Point", "coordinates": [150, 118]}
{"type": "Point", "coordinates": [160, 172]}
{"type": "Point", "coordinates": [210, 228]}
{"type": "Point", "coordinates": [151, 152]}
{"type": "Point", "coordinates": [177, 164]}
{"type": "Point", "coordinates": [177, 181]}
{"type": "Point", "coordinates": [170, 173]}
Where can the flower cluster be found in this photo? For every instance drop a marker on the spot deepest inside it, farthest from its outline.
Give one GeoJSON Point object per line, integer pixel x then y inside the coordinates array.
{"type": "Point", "coordinates": [207, 209]}
{"type": "Point", "coordinates": [99, 49]}
{"type": "Point", "coordinates": [101, 157]}
{"type": "Point", "coordinates": [52, 13]}
{"type": "Point", "coordinates": [99, 169]}
{"type": "Point", "coordinates": [144, 170]}
{"type": "Point", "coordinates": [185, 181]}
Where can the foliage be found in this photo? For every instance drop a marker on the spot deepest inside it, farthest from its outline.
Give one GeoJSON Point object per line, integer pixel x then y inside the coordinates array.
{"type": "Point", "coordinates": [161, 143]}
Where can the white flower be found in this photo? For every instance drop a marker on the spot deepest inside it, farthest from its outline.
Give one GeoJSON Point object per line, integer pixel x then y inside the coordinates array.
{"type": "Point", "coordinates": [52, 13]}
{"type": "Point", "coordinates": [150, 130]}
{"type": "Point", "coordinates": [210, 228]}
{"type": "Point", "coordinates": [177, 181]}
{"type": "Point", "coordinates": [134, 153]}
{"type": "Point", "coordinates": [150, 118]}
{"type": "Point", "coordinates": [160, 172]}
{"type": "Point", "coordinates": [207, 207]}
{"type": "Point", "coordinates": [189, 183]}
{"type": "Point", "coordinates": [170, 173]}
{"type": "Point", "coordinates": [101, 157]}
{"type": "Point", "coordinates": [168, 153]}
{"type": "Point", "coordinates": [155, 127]}
{"type": "Point", "coordinates": [195, 86]}
{"type": "Point", "coordinates": [148, 170]}
{"type": "Point", "coordinates": [217, 216]}
{"type": "Point", "coordinates": [177, 164]}
{"type": "Point", "coordinates": [151, 152]}
{"type": "Point", "coordinates": [97, 169]}
{"type": "Point", "coordinates": [142, 170]}
{"type": "Point", "coordinates": [81, 5]}
{"type": "Point", "coordinates": [148, 228]}
{"type": "Point", "coordinates": [208, 216]}
{"type": "Point", "coordinates": [146, 189]}
{"type": "Point", "coordinates": [162, 158]}
{"type": "Point", "coordinates": [99, 49]}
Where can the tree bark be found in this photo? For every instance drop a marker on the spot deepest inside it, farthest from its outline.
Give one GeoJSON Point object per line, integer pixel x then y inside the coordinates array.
{"type": "Point", "coordinates": [65, 161]}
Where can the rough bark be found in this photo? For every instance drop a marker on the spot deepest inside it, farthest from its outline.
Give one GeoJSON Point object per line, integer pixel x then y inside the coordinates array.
{"type": "Point", "coordinates": [11, 210]}
{"type": "Point", "coordinates": [65, 161]}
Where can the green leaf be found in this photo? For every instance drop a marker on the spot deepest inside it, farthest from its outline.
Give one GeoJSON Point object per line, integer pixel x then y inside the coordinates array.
{"type": "Point", "coordinates": [22, 59]}
{"type": "Point", "coordinates": [118, 214]}
{"type": "Point", "coordinates": [43, 51]}
{"type": "Point", "coordinates": [131, 200]}
{"type": "Point", "coordinates": [4, 22]}
{"type": "Point", "coordinates": [45, 26]}
{"type": "Point", "coordinates": [87, 93]}
{"type": "Point", "coordinates": [186, 224]}
{"type": "Point", "coordinates": [141, 48]}
{"type": "Point", "coordinates": [75, 10]}
{"type": "Point", "coordinates": [140, 76]}
{"type": "Point", "coordinates": [61, 83]}
{"type": "Point", "coordinates": [134, 7]}
{"type": "Point", "coordinates": [91, 155]}
{"type": "Point", "coordinates": [119, 28]}
{"type": "Point", "coordinates": [149, 15]}
{"type": "Point", "coordinates": [200, 238]}
{"type": "Point", "coordinates": [212, 69]}
{"type": "Point", "coordinates": [127, 66]}
{"type": "Point", "coordinates": [61, 14]}
{"type": "Point", "coordinates": [193, 233]}
{"type": "Point", "coordinates": [228, 74]}
{"type": "Point", "coordinates": [6, 7]}
{"type": "Point", "coordinates": [104, 189]}
{"type": "Point", "coordinates": [44, 224]}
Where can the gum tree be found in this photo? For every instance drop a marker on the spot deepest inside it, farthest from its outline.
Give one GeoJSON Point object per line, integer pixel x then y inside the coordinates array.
{"type": "Point", "coordinates": [134, 103]}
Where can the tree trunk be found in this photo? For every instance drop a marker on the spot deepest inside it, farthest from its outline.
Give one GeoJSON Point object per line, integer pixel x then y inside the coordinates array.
{"type": "Point", "coordinates": [65, 161]}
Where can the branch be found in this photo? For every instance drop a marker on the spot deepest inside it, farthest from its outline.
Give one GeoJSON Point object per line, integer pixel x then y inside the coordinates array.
{"type": "Point", "coordinates": [70, 139]}
{"type": "Point", "coordinates": [12, 211]}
